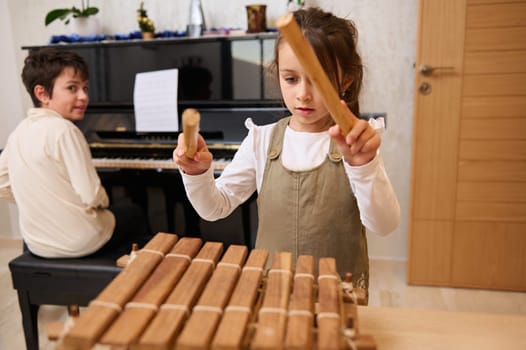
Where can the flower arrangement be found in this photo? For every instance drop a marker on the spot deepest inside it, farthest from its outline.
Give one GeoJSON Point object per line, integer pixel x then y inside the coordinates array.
{"type": "Point", "coordinates": [145, 23]}
{"type": "Point", "coordinates": [65, 14]}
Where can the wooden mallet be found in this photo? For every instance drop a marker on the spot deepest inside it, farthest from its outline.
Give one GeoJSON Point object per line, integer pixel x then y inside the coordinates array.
{"type": "Point", "coordinates": [312, 67]}
{"type": "Point", "coordinates": [191, 118]}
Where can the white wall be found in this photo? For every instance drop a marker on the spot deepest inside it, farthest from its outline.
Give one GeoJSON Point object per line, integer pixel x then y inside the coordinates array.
{"type": "Point", "coordinates": [387, 40]}
{"type": "Point", "coordinates": [11, 111]}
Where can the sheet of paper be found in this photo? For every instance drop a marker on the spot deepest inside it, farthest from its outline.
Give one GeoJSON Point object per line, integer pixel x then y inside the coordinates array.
{"type": "Point", "coordinates": [155, 101]}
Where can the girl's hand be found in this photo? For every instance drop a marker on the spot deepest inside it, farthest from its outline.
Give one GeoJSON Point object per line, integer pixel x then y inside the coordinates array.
{"type": "Point", "coordinates": [360, 145]}
{"type": "Point", "coordinates": [201, 161]}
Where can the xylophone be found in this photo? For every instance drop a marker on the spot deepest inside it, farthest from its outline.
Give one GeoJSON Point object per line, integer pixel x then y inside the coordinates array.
{"type": "Point", "coordinates": [183, 294]}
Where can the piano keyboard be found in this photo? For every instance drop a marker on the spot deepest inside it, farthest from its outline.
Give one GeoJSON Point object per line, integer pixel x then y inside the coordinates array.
{"type": "Point", "coordinates": [159, 164]}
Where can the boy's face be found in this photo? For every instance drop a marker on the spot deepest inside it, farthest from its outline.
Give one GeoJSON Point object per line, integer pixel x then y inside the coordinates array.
{"type": "Point", "coordinates": [70, 95]}
{"type": "Point", "coordinates": [301, 98]}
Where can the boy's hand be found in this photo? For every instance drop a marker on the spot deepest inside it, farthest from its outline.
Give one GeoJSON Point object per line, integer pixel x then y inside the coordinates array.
{"type": "Point", "coordinates": [201, 161]}
{"type": "Point", "coordinates": [360, 145]}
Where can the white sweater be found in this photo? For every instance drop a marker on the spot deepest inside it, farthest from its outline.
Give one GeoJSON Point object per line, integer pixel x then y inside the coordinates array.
{"type": "Point", "coordinates": [215, 199]}
{"type": "Point", "coordinates": [46, 168]}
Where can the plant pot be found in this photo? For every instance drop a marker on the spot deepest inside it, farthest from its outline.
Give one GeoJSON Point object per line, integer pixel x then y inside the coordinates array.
{"type": "Point", "coordinates": [85, 26]}
{"type": "Point", "coordinates": [147, 35]}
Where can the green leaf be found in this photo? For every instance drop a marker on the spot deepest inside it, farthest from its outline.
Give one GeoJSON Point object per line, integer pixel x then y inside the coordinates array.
{"type": "Point", "coordinates": [89, 11]}
{"type": "Point", "coordinates": [65, 14]}
{"type": "Point", "coordinates": [55, 14]}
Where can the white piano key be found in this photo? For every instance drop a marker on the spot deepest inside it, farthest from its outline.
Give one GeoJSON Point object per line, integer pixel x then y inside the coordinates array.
{"type": "Point", "coordinates": [138, 163]}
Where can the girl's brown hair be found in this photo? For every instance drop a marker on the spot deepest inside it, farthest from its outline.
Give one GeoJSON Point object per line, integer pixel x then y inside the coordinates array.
{"type": "Point", "coordinates": [334, 41]}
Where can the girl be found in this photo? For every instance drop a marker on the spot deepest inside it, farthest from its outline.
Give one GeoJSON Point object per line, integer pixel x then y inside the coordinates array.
{"type": "Point", "coordinates": [317, 189]}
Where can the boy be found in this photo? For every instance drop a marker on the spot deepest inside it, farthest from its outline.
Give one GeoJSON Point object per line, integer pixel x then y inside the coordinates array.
{"type": "Point", "coordinates": [46, 166]}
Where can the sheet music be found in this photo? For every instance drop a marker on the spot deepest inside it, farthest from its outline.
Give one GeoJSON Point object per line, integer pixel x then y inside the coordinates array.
{"type": "Point", "coordinates": [155, 101]}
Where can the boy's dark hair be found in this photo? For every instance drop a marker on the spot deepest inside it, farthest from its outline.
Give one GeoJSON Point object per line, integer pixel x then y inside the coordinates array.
{"type": "Point", "coordinates": [43, 66]}
{"type": "Point", "coordinates": [334, 41]}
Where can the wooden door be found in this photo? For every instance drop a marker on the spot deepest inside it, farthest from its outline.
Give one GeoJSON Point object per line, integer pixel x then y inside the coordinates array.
{"type": "Point", "coordinates": [468, 196]}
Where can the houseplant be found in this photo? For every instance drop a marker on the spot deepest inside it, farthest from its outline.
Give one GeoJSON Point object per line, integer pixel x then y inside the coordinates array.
{"type": "Point", "coordinates": [83, 21]}
{"type": "Point", "coordinates": [65, 14]}
{"type": "Point", "coordinates": [145, 24]}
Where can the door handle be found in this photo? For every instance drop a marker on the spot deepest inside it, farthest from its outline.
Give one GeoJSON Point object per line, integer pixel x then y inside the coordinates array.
{"type": "Point", "coordinates": [426, 70]}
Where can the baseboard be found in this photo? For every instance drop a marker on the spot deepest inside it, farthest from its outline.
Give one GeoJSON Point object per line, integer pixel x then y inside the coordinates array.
{"type": "Point", "coordinates": [388, 258]}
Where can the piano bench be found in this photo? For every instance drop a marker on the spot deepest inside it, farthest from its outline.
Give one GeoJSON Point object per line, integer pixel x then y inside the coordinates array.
{"type": "Point", "coordinates": [40, 281]}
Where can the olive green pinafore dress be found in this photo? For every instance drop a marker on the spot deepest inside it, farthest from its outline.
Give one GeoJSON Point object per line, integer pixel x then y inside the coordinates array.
{"type": "Point", "coordinates": [312, 212]}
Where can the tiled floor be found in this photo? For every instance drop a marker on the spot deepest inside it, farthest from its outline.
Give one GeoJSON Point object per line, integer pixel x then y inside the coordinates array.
{"type": "Point", "coordinates": [388, 288]}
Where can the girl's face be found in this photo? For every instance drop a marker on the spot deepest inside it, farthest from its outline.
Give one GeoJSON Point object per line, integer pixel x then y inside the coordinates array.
{"type": "Point", "coordinates": [70, 95]}
{"type": "Point", "coordinates": [301, 98]}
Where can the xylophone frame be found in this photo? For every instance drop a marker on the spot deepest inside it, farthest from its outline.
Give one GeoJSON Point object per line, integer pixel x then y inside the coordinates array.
{"type": "Point", "coordinates": [183, 294]}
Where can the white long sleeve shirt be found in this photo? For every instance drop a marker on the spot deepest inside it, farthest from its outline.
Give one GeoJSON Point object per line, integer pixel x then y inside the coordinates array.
{"type": "Point", "coordinates": [46, 168]}
{"type": "Point", "coordinates": [217, 198]}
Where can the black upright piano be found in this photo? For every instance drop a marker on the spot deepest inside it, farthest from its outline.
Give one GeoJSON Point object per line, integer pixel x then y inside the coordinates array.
{"type": "Point", "coordinates": [223, 77]}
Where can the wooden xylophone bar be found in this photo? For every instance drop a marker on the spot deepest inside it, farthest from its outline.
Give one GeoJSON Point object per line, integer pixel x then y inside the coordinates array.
{"type": "Point", "coordinates": [181, 294]}
{"type": "Point", "coordinates": [109, 303]}
{"type": "Point", "coordinates": [237, 315]}
{"type": "Point", "coordinates": [145, 304]}
{"type": "Point", "coordinates": [301, 310]}
{"type": "Point", "coordinates": [163, 330]}
{"type": "Point", "coordinates": [202, 323]}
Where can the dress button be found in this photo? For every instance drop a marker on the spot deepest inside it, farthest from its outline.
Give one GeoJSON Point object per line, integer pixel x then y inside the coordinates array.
{"type": "Point", "coordinates": [273, 154]}
{"type": "Point", "coordinates": [336, 156]}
